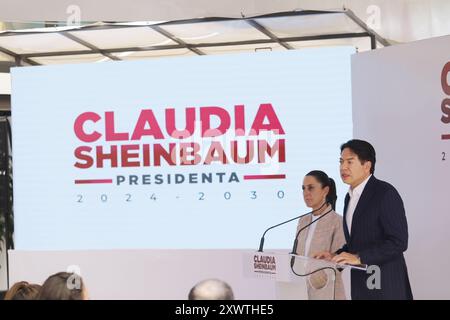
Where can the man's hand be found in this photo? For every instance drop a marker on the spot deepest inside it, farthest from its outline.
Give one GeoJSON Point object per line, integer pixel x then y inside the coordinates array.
{"type": "Point", "coordinates": [325, 255]}
{"type": "Point", "coordinates": [346, 258]}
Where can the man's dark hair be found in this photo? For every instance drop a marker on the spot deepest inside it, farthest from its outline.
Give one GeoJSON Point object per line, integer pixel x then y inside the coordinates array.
{"type": "Point", "coordinates": [363, 149]}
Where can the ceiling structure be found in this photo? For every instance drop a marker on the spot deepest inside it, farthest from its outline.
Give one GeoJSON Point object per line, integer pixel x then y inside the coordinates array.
{"type": "Point", "coordinates": [102, 41]}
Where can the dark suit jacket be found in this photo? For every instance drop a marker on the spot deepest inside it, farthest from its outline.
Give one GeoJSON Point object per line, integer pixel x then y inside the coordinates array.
{"type": "Point", "coordinates": [379, 235]}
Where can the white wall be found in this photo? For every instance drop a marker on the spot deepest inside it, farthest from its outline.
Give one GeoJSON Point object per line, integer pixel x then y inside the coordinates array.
{"type": "Point", "coordinates": [397, 98]}
{"type": "Point", "coordinates": [5, 83]}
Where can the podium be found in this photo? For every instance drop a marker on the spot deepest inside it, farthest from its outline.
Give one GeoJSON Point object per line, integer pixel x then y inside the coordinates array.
{"type": "Point", "coordinates": [295, 277]}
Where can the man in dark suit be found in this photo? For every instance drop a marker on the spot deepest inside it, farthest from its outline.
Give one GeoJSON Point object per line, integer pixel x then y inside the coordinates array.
{"type": "Point", "coordinates": [375, 228]}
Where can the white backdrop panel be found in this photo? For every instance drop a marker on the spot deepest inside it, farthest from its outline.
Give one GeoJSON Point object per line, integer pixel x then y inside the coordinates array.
{"type": "Point", "coordinates": [397, 105]}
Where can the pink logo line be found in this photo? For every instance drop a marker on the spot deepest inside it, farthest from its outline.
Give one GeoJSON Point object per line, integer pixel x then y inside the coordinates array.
{"type": "Point", "coordinates": [264, 176]}
{"type": "Point", "coordinates": [89, 181]}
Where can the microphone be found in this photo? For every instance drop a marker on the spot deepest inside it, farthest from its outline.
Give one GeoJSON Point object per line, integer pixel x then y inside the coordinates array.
{"type": "Point", "coordinates": [294, 247]}
{"type": "Point", "coordinates": [261, 242]}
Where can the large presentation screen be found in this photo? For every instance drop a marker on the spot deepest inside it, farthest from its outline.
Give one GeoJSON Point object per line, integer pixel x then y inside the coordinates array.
{"type": "Point", "coordinates": [190, 152]}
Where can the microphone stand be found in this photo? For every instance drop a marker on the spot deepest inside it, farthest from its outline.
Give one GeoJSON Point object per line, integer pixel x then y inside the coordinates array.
{"type": "Point", "coordinates": [261, 242]}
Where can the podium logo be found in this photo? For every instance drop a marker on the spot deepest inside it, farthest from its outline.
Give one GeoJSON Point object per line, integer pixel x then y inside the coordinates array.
{"type": "Point", "coordinates": [264, 264]}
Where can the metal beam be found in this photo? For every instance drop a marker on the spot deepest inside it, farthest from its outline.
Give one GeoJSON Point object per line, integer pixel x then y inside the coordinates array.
{"type": "Point", "coordinates": [266, 32]}
{"type": "Point", "coordinates": [270, 15]}
{"type": "Point", "coordinates": [82, 28]}
{"type": "Point", "coordinates": [286, 39]}
{"type": "Point", "coordinates": [18, 58]}
{"type": "Point", "coordinates": [203, 45]}
{"type": "Point", "coordinates": [177, 22]}
{"type": "Point", "coordinates": [56, 53]}
{"type": "Point", "coordinates": [115, 50]}
{"type": "Point", "coordinates": [89, 45]}
{"type": "Point", "coordinates": [175, 39]}
{"type": "Point", "coordinates": [360, 23]}
{"type": "Point", "coordinates": [373, 42]}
